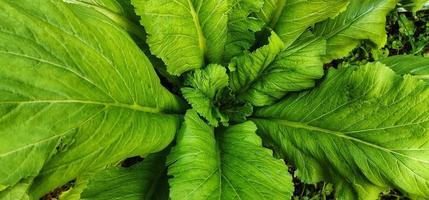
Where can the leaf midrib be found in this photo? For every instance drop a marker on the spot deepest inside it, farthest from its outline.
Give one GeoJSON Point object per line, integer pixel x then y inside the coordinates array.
{"type": "Point", "coordinates": [351, 22]}
{"type": "Point", "coordinates": [135, 107]}
{"type": "Point", "coordinates": [201, 37]}
{"type": "Point", "coordinates": [300, 125]}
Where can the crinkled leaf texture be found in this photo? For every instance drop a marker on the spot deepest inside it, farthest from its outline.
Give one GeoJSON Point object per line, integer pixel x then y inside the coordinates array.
{"type": "Point", "coordinates": [227, 163]}
{"type": "Point", "coordinates": [264, 76]}
{"type": "Point", "coordinates": [204, 85]}
{"type": "Point", "coordinates": [293, 58]}
{"type": "Point", "coordinates": [146, 180]}
{"type": "Point", "coordinates": [364, 128]}
{"type": "Point", "coordinates": [415, 65]}
{"type": "Point", "coordinates": [70, 102]}
{"type": "Point", "coordinates": [185, 33]}
{"type": "Point", "coordinates": [242, 25]}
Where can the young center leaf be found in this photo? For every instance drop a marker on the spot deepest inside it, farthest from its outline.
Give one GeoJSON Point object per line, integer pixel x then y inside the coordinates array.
{"type": "Point", "coordinates": [76, 94]}
{"type": "Point", "coordinates": [364, 128]}
{"type": "Point", "coordinates": [185, 33]}
{"type": "Point", "coordinates": [203, 88]}
{"type": "Point", "coordinates": [267, 74]}
{"type": "Point", "coordinates": [247, 69]}
{"type": "Point", "coordinates": [227, 163]}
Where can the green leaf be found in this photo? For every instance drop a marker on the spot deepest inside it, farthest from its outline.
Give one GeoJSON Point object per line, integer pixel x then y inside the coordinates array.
{"type": "Point", "coordinates": [297, 15]}
{"type": "Point", "coordinates": [146, 180]}
{"type": "Point", "coordinates": [415, 65]}
{"type": "Point", "coordinates": [237, 112]}
{"type": "Point", "coordinates": [364, 129]}
{"type": "Point", "coordinates": [271, 11]}
{"type": "Point", "coordinates": [246, 69]}
{"type": "Point", "coordinates": [266, 75]}
{"type": "Point", "coordinates": [76, 94]}
{"type": "Point", "coordinates": [415, 5]}
{"type": "Point", "coordinates": [363, 20]}
{"type": "Point", "coordinates": [227, 163]}
{"type": "Point", "coordinates": [294, 69]}
{"type": "Point", "coordinates": [17, 192]}
{"type": "Point", "coordinates": [242, 25]}
{"type": "Point", "coordinates": [77, 188]}
{"type": "Point", "coordinates": [120, 12]}
{"type": "Point", "coordinates": [204, 86]}
{"type": "Point", "coordinates": [184, 33]}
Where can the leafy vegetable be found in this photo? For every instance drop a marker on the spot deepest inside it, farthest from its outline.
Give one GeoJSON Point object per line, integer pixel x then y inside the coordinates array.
{"type": "Point", "coordinates": [79, 94]}
{"type": "Point", "coordinates": [198, 29]}
{"type": "Point", "coordinates": [364, 129]}
{"type": "Point", "coordinates": [65, 106]}
{"type": "Point", "coordinates": [205, 87]}
{"type": "Point", "coordinates": [146, 180]}
{"type": "Point", "coordinates": [227, 164]}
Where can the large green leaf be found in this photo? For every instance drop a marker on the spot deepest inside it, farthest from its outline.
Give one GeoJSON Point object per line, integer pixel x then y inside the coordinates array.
{"type": "Point", "coordinates": [226, 163]}
{"type": "Point", "coordinates": [146, 180]}
{"type": "Point", "coordinates": [363, 20]}
{"type": "Point", "coordinates": [364, 128]}
{"type": "Point", "coordinates": [266, 75]}
{"type": "Point", "coordinates": [76, 94]}
{"type": "Point", "coordinates": [297, 15]}
{"type": "Point", "coordinates": [204, 86]}
{"type": "Point", "coordinates": [120, 12]}
{"type": "Point", "coordinates": [184, 33]}
{"type": "Point", "coordinates": [17, 192]}
{"type": "Point", "coordinates": [415, 65]}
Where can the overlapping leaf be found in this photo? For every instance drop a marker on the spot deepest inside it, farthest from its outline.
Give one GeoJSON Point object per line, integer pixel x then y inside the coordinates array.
{"type": "Point", "coordinates": [242, 25]}
{"type": "Point", "coordinates": [293, 17]}
{"type": "Point", "coordinates": [247, 69]}
{"type": "Point", "coordinates": [185, 33]}
{"type": "Point", "coordinates": [227, 163]}
{"type": "Point", "coordinates": [364, 128]}
{"type": "Point", "coordinates": [71, 103]}
{"type": "Point", "coordinates": [204, 87]}
{"type": "Point", "coordinates": [146, 180]}
{"type": "Point", "coordinates": [120, 12]}
{"type": "Point", "coordinates": [415, 65]}
{"type": "Point", "coordinates": [266, 75]}
{"type": "Point", "coordinates": [362, 20]}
